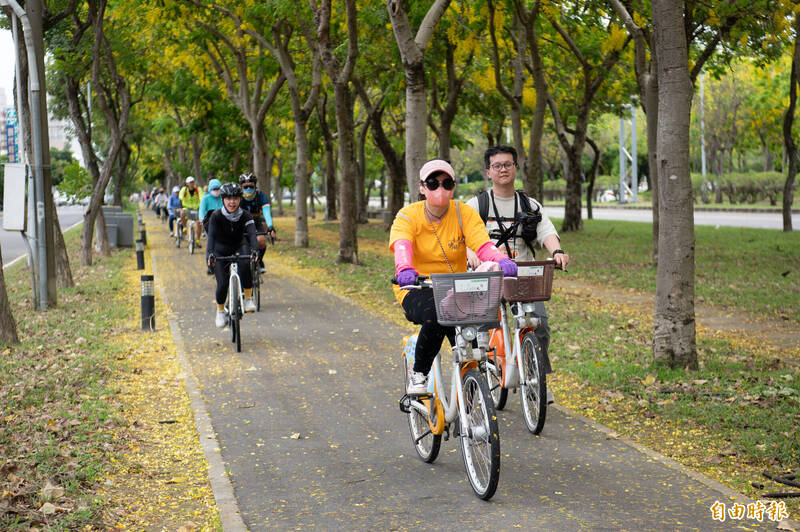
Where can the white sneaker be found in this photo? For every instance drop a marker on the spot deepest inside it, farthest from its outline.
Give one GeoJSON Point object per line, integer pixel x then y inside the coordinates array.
{"type": "Point", "coordinates": [550, 398]}
{"type": "Point", "coordinates": [222, 319]}
{"type": "Point", "coordinates": [417, 384]}
{"type": "Point", "coordinates": [249, 305]}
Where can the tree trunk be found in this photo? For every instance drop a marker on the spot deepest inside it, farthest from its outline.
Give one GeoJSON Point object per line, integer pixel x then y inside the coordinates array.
{"type": "Point", "coordinates": [260, 170]}
{"type": "Point", "coordinates": [788, 140]}
{"type": "Point", "coordinates": [674, 319]}
{"type": "Point", "coordinates": [122, 171]}
{"type": "Point", "coordinates": [412, 49]}
{"type": "Point", "coordinates": [197, 152]}
{"type": "Point", "coordinates": [416, 127]}
{"type": "Point", "coordinates": [302, 180]}
{"type": "Point", "coordinates": [348, 227]}
{"type": "Point", "coordinates": [63, 269]}
{"type": "Point", "coordinates": [8, 325]}
{"type": "Point", "coordinates": [651, 90]}
{"type": "Point", "coordinates": [362, 197]}
{"type": "Point", "coordinates": [329, 173]}
{"type": "Point", "coordinates": [572, 202]}
{"type": "Point", "coordinates": [592, 175]}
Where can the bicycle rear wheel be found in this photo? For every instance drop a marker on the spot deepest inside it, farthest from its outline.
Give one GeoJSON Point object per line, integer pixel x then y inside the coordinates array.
{"type": "Point", "coordinates": [178, 236]}
{"type": "Point", "coordinates": [480, 441]}
{"type": "Point", "coordinates": [191, 239]}
{"type": "Point", "coordinates": [533, 384]}
{"type": "Point", "coordinates": [425, 442]}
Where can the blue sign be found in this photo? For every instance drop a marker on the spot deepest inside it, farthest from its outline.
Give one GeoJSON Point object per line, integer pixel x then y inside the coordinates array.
{"type": "Point", "coordinates": [12, 134]}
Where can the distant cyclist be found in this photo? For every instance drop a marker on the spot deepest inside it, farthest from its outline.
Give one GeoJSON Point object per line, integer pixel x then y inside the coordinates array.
{"type": "Point", "coordinates": [210, 203]}
{"type": "Point", "coordinates": [190, 200]}
{"type": "Point", "coordinates": [160, 201]}
{"type": "Point", "coordinates": [231, 230]}
{"type": "Point", "coordinates": [256, 202]}
{"type": "Point", "coordinates": [432, 236]}
{"type": "Point", "coordinates": [174, 209]}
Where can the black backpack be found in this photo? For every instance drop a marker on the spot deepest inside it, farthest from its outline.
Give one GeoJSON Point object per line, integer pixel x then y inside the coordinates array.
{"type": "Point", "coordinates": [527, 218]}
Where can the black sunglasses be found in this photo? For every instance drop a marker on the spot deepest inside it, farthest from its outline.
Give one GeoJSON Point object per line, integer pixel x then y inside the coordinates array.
{"type": "Point", "coordinates": [432, 183]}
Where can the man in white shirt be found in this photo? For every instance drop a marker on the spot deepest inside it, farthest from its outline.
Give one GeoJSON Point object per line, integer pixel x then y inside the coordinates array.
{"type": "Point", "coordinates": [501, 206]}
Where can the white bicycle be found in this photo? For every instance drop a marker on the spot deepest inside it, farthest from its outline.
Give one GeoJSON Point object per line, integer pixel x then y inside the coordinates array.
{"type": "Point", "coordinates": [234, 304]}
{"type": "Point", "coordinates": [466, 301]}
{"type": "Point", "coordinates": [516, 359]}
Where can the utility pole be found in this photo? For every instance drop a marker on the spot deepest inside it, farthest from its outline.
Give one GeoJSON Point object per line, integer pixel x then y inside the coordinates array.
{"type": "Point", "coordinates": [43, 229]}
{"type": "Point", "coordinates": [625, 156]}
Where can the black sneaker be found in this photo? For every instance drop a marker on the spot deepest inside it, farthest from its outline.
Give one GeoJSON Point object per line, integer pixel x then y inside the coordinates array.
{"type": "Point", "coordinates": [209, 270]}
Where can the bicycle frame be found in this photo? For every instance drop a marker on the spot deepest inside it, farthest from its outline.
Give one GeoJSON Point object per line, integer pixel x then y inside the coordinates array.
{"type": "Point", "coordinates": [523, 322]}
{"type": "Point", "coordinates": [463, 360]}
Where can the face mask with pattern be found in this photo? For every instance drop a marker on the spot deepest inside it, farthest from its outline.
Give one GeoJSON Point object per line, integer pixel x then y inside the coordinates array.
{"type": "Point", "coordinates": [249, 192]}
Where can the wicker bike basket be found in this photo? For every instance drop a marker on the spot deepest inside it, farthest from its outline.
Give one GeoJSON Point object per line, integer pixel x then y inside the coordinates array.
{"type": "Point", "coordinates": [534, 282]}
{"type": "Point", "coordinates": [467, 298]}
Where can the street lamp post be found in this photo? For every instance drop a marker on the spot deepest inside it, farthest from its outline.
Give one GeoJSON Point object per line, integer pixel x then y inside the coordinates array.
{"type": "Point", "coordinates": [38, 166]}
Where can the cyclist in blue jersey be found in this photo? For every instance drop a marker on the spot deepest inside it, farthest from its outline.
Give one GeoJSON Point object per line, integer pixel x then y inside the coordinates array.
{"type": "Point", "coordinates": [174, 207]}
{"type": "Point", "coordinates": [210, 203]}
{"type": "Point", "coordinates": [256, 202]}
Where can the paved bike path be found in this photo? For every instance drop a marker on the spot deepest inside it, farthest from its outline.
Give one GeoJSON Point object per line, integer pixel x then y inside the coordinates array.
{"type": "Point", "coordinates": [309, 429]}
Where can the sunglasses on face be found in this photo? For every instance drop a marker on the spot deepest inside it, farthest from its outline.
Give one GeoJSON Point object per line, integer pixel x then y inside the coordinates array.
{"type": "Point", "coordinates": [432, 183]}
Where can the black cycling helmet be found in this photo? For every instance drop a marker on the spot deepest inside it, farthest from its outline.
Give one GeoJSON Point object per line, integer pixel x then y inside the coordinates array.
{"type": "Point", "coordinates": [247, 178]}
{"type": "Point", "coordinates": [229, 190]}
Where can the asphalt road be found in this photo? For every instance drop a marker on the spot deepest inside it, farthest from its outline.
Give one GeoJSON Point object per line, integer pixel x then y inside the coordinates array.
{"type": "Point", "coordinates": [762, 220]}
{"type": "Point", "coordinates": [307, 422]}
{"type": "Point", "coordinates": [13, 245]}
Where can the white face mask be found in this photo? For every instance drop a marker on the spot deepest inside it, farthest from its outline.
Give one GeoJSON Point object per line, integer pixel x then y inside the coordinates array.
{"type": "Point", "coordinates": [215, 193]}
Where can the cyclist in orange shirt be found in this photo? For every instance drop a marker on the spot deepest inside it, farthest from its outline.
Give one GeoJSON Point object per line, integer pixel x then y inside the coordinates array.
{"type": "Point", "coordinates": [432, 236]}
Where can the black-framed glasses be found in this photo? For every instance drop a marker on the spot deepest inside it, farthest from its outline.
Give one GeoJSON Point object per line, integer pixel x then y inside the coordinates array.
{"type": "Point", "coordinates": [508, 165]}
{"type": "Point", "coordinates": [432, 183]}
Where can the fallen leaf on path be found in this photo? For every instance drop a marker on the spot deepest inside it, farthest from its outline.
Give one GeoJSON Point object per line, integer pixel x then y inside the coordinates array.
{"type": "Point", "coordinates": [47, 509]}
{"type": "Point", "coordinates": [51, 492]}
{"type": "Point", "coordinates": [295, 436]}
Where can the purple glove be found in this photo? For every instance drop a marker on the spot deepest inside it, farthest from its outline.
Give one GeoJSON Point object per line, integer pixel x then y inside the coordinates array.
{"type": "Point", "coordinates": [407, 277]}
{"type": "Point", "coordinates": [509, 267]}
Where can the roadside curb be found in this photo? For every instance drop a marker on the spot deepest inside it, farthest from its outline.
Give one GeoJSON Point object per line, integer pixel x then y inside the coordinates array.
{"type": "Point", "coordinates": [221, 486]}
{"type": "Point", "coordinates": [25, 255]}
{"type": "Point", "coordinates": [725, 491]}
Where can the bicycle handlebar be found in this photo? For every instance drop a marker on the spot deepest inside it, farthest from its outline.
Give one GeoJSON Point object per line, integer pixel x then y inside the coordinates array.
{"type": "Point", "coordinates": [237, 256]}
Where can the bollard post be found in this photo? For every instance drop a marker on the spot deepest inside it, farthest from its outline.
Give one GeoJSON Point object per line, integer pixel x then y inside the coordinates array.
{"type": "Point", "coordinates": [148, 304]}
{"type": "Point", "coordinates": [139, 255]}
{"type": "Point", "coordinates": [143, 234]}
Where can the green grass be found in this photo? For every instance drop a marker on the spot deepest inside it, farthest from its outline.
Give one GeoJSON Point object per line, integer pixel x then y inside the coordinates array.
{"type": "Point", "coordinates": [57, 394]}
{"type": "Point", "coordinates": [752, 402]}
{"type": "Point", "coordinates": [757, 270]}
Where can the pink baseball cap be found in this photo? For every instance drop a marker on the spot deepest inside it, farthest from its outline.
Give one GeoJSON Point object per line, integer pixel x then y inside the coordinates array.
{"type": "Point", "coordinates": [435, 166]}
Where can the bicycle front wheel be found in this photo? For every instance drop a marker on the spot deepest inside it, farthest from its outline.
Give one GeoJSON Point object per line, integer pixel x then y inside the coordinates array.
{"type": "Point", "coordinates": [191, 240]}
{"type": "Point", "coordinates": [493, 372]}
{"type": "Point", "coordinates": [233, 313]}
{"type": "Point", "coordinates": [533, 384]}
{"type": "Point", "coordinates": [257, 288]}
{"type": "Point", "coordinates": [480, 440]}
{"type": "Point", "coordinates": [425, 442]}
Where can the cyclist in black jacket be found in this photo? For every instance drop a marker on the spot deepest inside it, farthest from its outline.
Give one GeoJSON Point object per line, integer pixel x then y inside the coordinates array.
{"type": "Point", "coordinates": [231, 230]}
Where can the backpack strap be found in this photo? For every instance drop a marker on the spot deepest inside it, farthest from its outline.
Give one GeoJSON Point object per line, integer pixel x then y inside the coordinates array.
{"type": "Point", "coordinates": [483, 205]}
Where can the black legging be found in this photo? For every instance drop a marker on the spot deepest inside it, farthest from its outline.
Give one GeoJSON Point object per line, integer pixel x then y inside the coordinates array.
{"type": "Point", "coordinates": [420, 309]}
{"type": "Point", "coordinates": [222, 272]}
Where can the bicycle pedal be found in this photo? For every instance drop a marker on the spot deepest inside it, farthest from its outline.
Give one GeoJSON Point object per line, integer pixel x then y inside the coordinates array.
{"type": "Point", "coordinates": [405, 404]}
